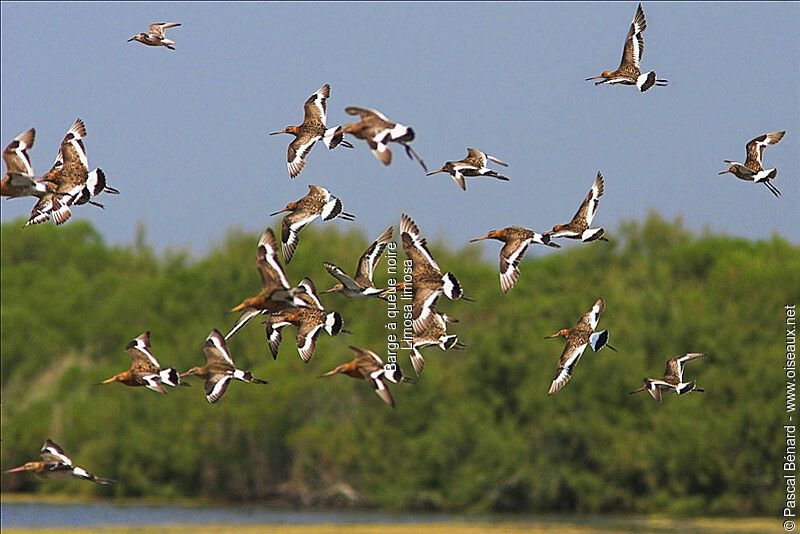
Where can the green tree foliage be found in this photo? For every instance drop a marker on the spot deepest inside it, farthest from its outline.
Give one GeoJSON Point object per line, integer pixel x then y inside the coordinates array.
{"type": "Point", "coordinates": [477, 433]}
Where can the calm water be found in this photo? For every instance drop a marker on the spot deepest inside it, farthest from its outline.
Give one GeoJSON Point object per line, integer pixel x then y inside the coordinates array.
{"type": "Point", "coordinates": [96, 514]}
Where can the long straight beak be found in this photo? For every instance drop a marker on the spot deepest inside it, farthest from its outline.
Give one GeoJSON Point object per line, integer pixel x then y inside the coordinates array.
{"type": "Point", "coordinates": [131, 39]}
{"type": "Point", "coordinates": [593, 78]}
{"type": "Point", "coordinates": [638, 390]}
{"type": "Point", "coordinates": [279, 211]}
{"type": "Point", "coordinates": [435, 172]}
{"type": "Point", "coordinates": [723, 172]}
{"type": "Point", "coordinates": [551, 335]}
{"type": "Point", "coordinates": [329, 290]}
{"type": "Point", "coordinates": [276, 133]}
{"type": "Point", "coordinates": [16, 469]}
{"type": "Point", "coordinates": [183, 374]}
{"type": "Point", "coordinates": [110, 380]}
{"type": "Point", "coordinates": [478, 238]}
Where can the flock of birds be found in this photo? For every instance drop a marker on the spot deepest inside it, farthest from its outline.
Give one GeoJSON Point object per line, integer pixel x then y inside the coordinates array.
{"type": "Point", "coordinates": [69, 183]}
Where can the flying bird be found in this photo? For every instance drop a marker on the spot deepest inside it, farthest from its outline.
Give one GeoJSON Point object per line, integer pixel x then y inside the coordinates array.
{"type": "Point", "coordinates": [309, 322]}
{"type": "Point", "coordinates": [361, 285]}
{"type": "Point", "coordinates": [578, 338]}
{"type": "Point", "coordinates": [19, 179]}
{"type": "Point", "coordinates": [673, 378]}
{"type": "Point", "coordinates": [56, 464]}
{"type": "Point", "coordinates": [516, 239]}
{"type": "Point", "coordinates": [473, 165]}
{"type": "Point", "coordinates": [427, 282]}
{"type": "Point", "coordinates": [578, 227]}
{"type": "Point", "coordinates": [219, 369]}
{"type": "Point", "coordinates": [73, 184]}
{"type": "Point", "coordinates": [276, 292]}
{"type": "Point", "coordinates": [155, 35]}
{"type": "Point", "coordinates": [145, 369]}
{"type": "Point", "coordinates": [370, 367]}
{"type": "Point", "coordinates": [317, 203]}
{"type": "Point", "coordinates": [751, 170]}
{"type": "Point", "coordinates": [628, 72]}
{"type": "Point", "coordinates": [378, 132]}
{"type": "Point", "coordinates": [435, 334]}
{"type": "Point", "coordinates": [312, 130]}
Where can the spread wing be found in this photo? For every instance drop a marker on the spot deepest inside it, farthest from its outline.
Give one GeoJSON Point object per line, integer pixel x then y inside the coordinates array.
{"type": "Point", "coordinates": [371, 257]}
{"type": "Point", "coordinates": [340, 275]}
{"type": "Point", "coordinates": [272, 273]}
{"type": "Point", "coordinates": [142, 360]}
{"type": "Point", "coordinates": [477, 155]}
{"type": "Point", "coordinates": [216, 350]}
{"type": "Point", "coordinates": [588, 208]}
{"type": "Point", "coordinates": [290, 228]}
{"type": "Point", "coordinates": [676, 365]}
{"type": "Point", "coordinates": [315, 109]}
{"type": "Point", "coordinates": [297, 152]}
{"type": "Point", "coordinates": [216, 386]}
{"type": "Point", "coordinates": [310, 297]}
{"type": "Point", "coordinates": [510, 256]}
{"type": "Point", "coordinates": [53, 454]}
{"type": "Point", "coordinates": [158, 28]}
{"type": "Point", "coordinates": [566, 365]}
{"type": "Point", "coordinates": [755, 148]}
{"type": "Point", "coordinates": [634, 43]}
{"type": "Point", "coordinates": [16, 154]}
{"type": "Point", "coordinates": [366, 113]}
{"type": "Point", "coordinates": [592, 317]}
{"type": "Point", "coordinates": [416, 247]}
{"type": "Point", "coordinates": [307, 334]}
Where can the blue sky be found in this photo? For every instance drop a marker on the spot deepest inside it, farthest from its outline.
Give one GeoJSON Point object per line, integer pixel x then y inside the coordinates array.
{"type": "Point", "coordinates": [183, 134]}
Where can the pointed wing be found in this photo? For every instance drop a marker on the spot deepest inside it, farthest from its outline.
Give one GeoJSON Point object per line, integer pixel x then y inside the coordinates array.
{"type": "Point", "coordinates": [290, 228]}
{"type": "Point", "coordinates": [310, 297]}
{"type": "Point", "coordinates": [16, 154]}
{"type": "Point", "coordinates": [566, 365]}
{"type": "Point", "coordinates": [272, 273]}
{"type": "Point", "coordinates": [375, 379]}
{"type": "Point", "coordinates": [158, 28]}
{"type": "Point", "coordinates": [216, 350]}
{"type": "Point", "coordinates": [366, 114]}
{"type": "Point", "coordinates": [588, 208]}
{"type": "Point", "coordinates": [510, 256]}
{"type": "Point", "coordinates": [216, 386]}
{"type": "Point", "coordinates": [423, 307]}
{"type": "Point", "coordinates": [52, 453]}
{"type": "Point", "coordinates": [592, 317]}
{"type": "Point", "coordinates": [755, 148]}
{"type": "Point", "coordinates": [371, 257]}
{"type": "Point", "coordinates": [477, 156]}
{"type": "Point", "coordinates": [241, 321]}
{"type": "Point", "coordinates": [307, 334]}
{"type": "Point", "coordinates": [142, 360]}
{"type": "Point", "coordinates": [315, 109]}
{"type": "Point", "coordinates": [72, 152]}
{"type": "Point", "coordinates": [416, 248]}
{"type": "Point", "coordinates": [676, 365]}
{"type": "Point", "coordinates": [634, 43]}
{"type": "Point", "coordinates": [297, 152]}
{"type": "Point", "coordinates": [340, 275]}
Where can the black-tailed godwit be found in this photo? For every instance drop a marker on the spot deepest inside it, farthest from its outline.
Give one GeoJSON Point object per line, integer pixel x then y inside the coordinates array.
{"type": "Point", "coordinates": [578, 338]}
{"type": "Point", "coordinates": [434, 334]}
{"type": "Point", "coordinates": [378, 132]}
{"type": "Point", "coordinates": [473, 165]}
{"type": "Point", "coordinates": [317, 203]}
{"type": "Point", "coordinates": [73, 182]}
{"type": "Point", "coordinates": [361, 285]}
{"type": "Point", "coordinates": [145, 369]}
{"type": "Point", "coordinates": [276, 292]}
{"type": "Point", "coordinates": [578, 227]}
{"type": "Point", "coordinates": [673, 378]}
{"type": "Point", "coordinates": [219, 369]}
{"type": "Point", "coordinates": [155, 35]}
{"type": "Point", "coordinates": [628, 72]}
{"type": "Point", "coordinates": [56, 464]}
{"type": "Point", "coordinates": [516, 239]}
{"type": "Point", "coordinates": [369, 366]}
{"type": "Point", "coordinates": [309, 322]}
{"type": "Point", "coordinates": [19, 179]}
{"type": "Point", "coordinates": [751, 170]}
{"type": "Point", "coordinates": [312, 130]}
{"type": "Point", "coordinates": [427, 282]}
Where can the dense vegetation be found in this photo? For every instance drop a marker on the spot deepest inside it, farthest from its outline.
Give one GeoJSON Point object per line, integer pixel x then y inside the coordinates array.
{"type": "Point", "coordinates": [477, 433]}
